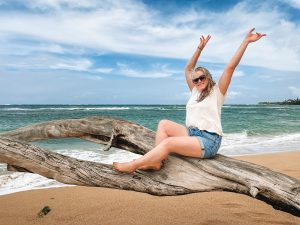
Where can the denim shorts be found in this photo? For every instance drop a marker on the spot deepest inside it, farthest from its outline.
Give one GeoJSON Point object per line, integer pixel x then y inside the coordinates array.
{"type": "Point", "coordinates": [209, 141]}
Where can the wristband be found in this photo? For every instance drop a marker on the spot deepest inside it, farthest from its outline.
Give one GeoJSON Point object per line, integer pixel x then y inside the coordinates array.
{"type": "Point", "coordinates": [199, 48]}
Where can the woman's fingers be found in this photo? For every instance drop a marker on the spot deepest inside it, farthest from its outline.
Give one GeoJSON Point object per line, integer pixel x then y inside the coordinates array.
{"type": "Point", "coordinates": [250, 31]}
{"type": "Point", "coordinates": [208, 37]}
{"type": "Point", "coordinates": [251, 37]}
{"type": "Point", "coordinates": [260, 35]}
{"type": "Point", "coordinates": [204, 40]}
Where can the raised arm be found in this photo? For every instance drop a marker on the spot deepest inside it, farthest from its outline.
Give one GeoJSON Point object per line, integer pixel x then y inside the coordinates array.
{"type": "Point", "coordinates": [225, 78]}
{"type": "Point", "coordinates": [192, 62]}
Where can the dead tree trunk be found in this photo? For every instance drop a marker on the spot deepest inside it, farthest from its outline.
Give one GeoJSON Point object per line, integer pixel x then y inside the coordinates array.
{"type": "Point", "coordinates": [179, 174]}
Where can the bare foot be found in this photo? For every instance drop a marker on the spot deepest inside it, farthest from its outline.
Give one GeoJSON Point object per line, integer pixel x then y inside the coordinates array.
{"type": "Point", "coordinates": [126, 167]}
{"type": "Point", "coordinates": [154, 166]}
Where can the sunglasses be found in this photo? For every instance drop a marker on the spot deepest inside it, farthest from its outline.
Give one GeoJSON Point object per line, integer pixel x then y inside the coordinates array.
{"type": "Point", "coordinates": [201, 78]}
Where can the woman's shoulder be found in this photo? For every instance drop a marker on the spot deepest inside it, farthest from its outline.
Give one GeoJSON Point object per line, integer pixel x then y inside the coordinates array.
{"type": "Point", "coordinates": [218, 93]}
{"type": "Point", "coordinates": [194, 90]}
{"type": "Point", "coordinates": [215, 89]}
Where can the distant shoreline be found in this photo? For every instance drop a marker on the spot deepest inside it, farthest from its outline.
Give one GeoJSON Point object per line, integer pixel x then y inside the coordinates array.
{"type": "Point", "coordinates": [285, 102]}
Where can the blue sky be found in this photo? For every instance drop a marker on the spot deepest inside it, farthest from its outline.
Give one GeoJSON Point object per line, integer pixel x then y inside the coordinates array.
{"type": "Point", "coordinates": [134, 52]}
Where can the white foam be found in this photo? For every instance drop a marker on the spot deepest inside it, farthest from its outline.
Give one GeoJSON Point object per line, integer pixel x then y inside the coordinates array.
{"type": "Point", "coordinates": [106, 108]}
{"type": "Point", "coordinates": [241, 143]}
{"type": "Point", "coordinates": [259, 106]}
{"type": "Point", "coordinates": [92, 108]}
{"type": "Point", "coordinates": [65, 108]}
{"type": "Point", "coordinates": [11, 182]}
{"type": "Point", "coordinates": [18, 181]}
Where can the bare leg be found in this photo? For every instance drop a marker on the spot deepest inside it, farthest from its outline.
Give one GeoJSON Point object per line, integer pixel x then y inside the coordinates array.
{"type": "Point", "coordinates": [154, 156]}
{"type": "Point", "coordinates": [165, 129]}
{"type": "Point", "coordinates": [154, 166]}
{"type": "Point", "coordinates": [161, 133]}
{"type": "Point", "coordinates": [168, 128]}
{"type": "Point", "coordinates": [188, 146]}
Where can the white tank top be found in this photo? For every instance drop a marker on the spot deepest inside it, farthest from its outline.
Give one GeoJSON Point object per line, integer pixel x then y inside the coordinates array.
{"type": "Point", "coordinates": [205, 115]}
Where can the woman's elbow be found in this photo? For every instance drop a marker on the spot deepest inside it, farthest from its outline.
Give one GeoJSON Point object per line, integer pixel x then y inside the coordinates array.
{"type": "Point", "coordinates": [230, 68]}
{"type": "Point", "coordinates": [188, 68]}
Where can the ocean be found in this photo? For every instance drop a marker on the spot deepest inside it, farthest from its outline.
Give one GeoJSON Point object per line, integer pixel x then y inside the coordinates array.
{"type": "Point", "coordinates": [248, 129]}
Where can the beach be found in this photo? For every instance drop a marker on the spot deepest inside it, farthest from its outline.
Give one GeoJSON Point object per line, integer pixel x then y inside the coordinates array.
{"type": "Point", "coordinates": [23, 195]}
{"type": "Point", "coordinates": [97, 205]}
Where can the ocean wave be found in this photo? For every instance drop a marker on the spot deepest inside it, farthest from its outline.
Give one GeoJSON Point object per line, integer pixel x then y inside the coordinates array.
{"type": "Point", "coordinates": [106, 108]}
{"type": "Point", "coordinates": [241, 143]}
{"type": "Point", "coordinates": [248, 134]}
{"type": "Point", "coordinates": [282, 107]}
{"type": "Point", "coordinates": [159, 108]}
{"type": "Point", "coordinates": [62, 108]}
{"type": "Point", "coordinates": [17, 181]}
{"type": "Point", "coordinates": [91, 108]}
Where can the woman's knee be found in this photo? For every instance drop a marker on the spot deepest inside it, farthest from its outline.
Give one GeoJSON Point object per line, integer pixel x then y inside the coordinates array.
{"type": "Point", "coordinates": [163, 123]}
{"type": "Point", "coordinates": [167, 143]}
{"type": "Point", "coordinates": [172, 129]}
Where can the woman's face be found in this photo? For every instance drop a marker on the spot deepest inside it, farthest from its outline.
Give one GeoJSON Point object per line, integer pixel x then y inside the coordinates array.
{"type": "Point", "coordinates": [200, 85]}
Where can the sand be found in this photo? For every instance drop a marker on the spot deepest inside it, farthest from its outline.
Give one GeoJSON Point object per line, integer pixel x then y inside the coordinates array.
{"type": "Point", "coordinates": [96, 205]}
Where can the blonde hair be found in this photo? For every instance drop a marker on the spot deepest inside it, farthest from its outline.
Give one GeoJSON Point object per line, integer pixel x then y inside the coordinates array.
{"type": "Point", "coordinates": [206, 92]}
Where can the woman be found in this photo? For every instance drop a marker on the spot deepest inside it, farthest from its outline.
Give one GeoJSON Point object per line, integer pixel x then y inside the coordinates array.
{"type": "Point", "coordinates": [202, 135]}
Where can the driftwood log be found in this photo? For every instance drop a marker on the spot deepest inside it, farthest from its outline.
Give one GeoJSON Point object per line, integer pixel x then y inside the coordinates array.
{"type": "Point", "coordinates": [178, 175]}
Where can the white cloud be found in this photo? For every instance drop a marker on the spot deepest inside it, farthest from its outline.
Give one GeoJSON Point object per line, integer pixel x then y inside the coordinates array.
{"type": "Point", "coordinates": [183, 96]}
{"type": "Point", "coordinates": [11, 48]}
{"type": "Point", "coordinates": [293, 3]}
{"type": "Point", "coordinates": [84, 65]}
{"type": "Point", "coordinates": [78, 65]}
{"type": "Point", "coordinates": [295, 91]}
{"type": "Point", "coordinates": [245, 87]}
{"type": "Point", "coordinates": [104, 70]}
{"type": "Point", "coordinates": [157, 71]}
{"type": "Point", "coordinates": [54, 48]}
{"type": "Point", "coordinates": [233, 94]}
{"type": "Point", "coordinates": [238, 73]}
{"type": "Point", "coordinates": [93, 77]}
{"type": "Point", "coordinates": [42, 62]}
{"type": "Point", "coordinates": [131, 27]}
{"type": "Point", "coordinates": [58, 4]}
{"type": "Point", "coordinates": [218, 73]}
{"type": "Point", "coordinates": [180, 78]}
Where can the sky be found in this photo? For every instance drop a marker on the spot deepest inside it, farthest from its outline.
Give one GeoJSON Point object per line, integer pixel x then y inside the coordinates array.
{"type": "Point", "coordinates": [135, 52]}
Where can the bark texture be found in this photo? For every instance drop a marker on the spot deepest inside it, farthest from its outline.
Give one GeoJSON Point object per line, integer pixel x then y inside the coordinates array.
{"type": "Point", "coordinates": [178, 175]}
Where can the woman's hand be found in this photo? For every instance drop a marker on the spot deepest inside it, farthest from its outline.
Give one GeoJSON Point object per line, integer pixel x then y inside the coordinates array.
{"type": "Point", "coordinates": [203, 41]}
{"type": "Point", "coordinates": [253, 37]}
